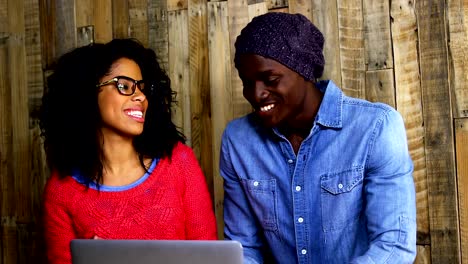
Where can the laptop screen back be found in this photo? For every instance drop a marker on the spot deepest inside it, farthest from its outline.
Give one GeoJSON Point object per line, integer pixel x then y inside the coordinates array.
{"type": "Point", "coordinates": [100, 251]}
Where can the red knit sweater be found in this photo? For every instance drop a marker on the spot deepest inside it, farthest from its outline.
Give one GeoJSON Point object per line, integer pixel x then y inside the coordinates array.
{"type": "Point", "coordinates": [172, 203]}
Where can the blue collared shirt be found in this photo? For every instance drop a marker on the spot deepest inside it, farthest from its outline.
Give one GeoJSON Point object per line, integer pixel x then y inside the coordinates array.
{"type": "Point", "coordinates": [347, 196]}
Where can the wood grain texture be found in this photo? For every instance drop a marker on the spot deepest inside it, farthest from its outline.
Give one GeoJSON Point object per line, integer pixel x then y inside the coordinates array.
{"type": "Point", "coordinates": [238, 18]}
{"type": "Point", "coordinates": [3, 16]}
{"type": "Point", "coordinates": [138, 17]}
{"type": "Point", "coordinates": [33, 56]}
{"type": "Point", "coordinates": [64, 26]}
{"type": "Point", "coordinates": [200, 88]}
{"type": "Point", "coordinates": [102, 21]}
{"type": "Point", "coordinates": [7, 191]}
{"type": "Point", "coordinates": [121, 18]}
{"type": "Point", "coordinates": [377, 38]}
{"type": "Point", "coordinates": [325, 17]}
{"type": "Point", "coordinates": [301, 6]}
{"type": "Point", "coordinates": [257, 9]}
{"type": "Point", "coordinates": [351, 32]}
{"type": "Point", "coordinates": [48, 35]}
{"type": "Point", "coordinates": [272, 4]}
{"type": "Point", "coordinates": [158, 31]}
{"type": "Point", "coordinates": [458, 54]}
{"type": "Point", "coordinates": [179, 70]}
{"type": "Point", "coordinates": [173, 5]}
{"type": "Point", "coordinates": [380, 87]}
{"type": "Point", "coordinates": [38, 173]}
{"type": "Point", "coordinates": [221, 92]}
{"type": "Point", "coordinates": [439, 141]}
{"type": "Point", "coordinates": [424, 255]}
{"type": "Point", "coordinates": [409, 102]}
{"type": "Point", "coordinates": [461, 141]}
{"type": "Point", "coordinates": [84, 13]}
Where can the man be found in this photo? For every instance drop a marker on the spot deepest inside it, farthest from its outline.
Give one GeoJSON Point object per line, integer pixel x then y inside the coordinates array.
{"type": "Point", "coordinates": [312, 176]}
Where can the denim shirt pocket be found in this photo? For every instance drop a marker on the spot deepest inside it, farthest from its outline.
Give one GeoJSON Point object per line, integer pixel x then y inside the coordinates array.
{"type": "Point", "coordinates": [262, 197]}
{"type": "Point", "coordinates": [341, 198]}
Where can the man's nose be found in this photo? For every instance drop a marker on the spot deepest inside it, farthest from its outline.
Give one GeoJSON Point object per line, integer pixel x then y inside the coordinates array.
{"type": "Point", "coordinates": [260, 91]}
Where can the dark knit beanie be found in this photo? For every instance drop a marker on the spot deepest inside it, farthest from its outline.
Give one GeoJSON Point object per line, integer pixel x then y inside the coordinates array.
{"type": "Point", "coordinates": [290, 39]}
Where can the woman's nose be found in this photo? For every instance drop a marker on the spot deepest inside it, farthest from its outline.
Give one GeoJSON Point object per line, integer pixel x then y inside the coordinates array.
{"type": "Point", "coordinates": [138, 95]}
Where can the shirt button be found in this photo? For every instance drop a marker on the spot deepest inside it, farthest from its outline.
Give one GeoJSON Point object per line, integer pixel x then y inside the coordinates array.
{"type": "Point", "coordinates": [290, 161]}
{"type": "Point", "coordinates": [298, 188]}
{"type": "Point", "coordinates": [255, 183]}
{"type": "Point", "coordinates": [340, 186]}
{"type": "Point", "coordinates": [300, 219]}
{"type": "Point", "coordinates": [303, 252]}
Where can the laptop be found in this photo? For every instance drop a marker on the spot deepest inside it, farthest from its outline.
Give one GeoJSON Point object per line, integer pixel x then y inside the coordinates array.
{"type": "Point", "coordinates": [101, 251]}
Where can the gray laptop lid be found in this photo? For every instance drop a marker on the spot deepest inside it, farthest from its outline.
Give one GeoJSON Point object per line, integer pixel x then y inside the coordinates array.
{"type": "Point", "coordinates": [101, 251]}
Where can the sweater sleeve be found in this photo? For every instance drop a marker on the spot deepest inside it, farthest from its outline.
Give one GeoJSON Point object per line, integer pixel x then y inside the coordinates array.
{"type": "Point", "coordinates": [58, 227]}
{"type": "Point", "coordinates": [199, 215]}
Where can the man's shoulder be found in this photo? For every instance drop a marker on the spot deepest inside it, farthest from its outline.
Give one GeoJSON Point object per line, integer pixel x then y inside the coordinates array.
{"type": "Point", "coordinates": [363, 106]}
{"type": "Point", "coordinates": [242, 124]}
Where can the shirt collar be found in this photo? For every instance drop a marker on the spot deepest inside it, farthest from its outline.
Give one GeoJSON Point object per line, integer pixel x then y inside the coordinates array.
{"type": "Point", "coordinates": [330, 111]}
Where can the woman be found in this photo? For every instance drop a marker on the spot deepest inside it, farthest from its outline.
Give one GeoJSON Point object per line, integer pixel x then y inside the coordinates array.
{"type": "Point", "coordinates": [119, 167]}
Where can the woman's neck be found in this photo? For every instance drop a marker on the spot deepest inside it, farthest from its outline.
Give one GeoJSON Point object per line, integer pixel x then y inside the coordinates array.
{"type": "Point", "coordinates": [121, 163]}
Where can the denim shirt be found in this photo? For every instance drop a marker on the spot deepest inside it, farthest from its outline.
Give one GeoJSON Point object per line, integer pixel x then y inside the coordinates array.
{"type": "Point", "coordinates": [347, 196]}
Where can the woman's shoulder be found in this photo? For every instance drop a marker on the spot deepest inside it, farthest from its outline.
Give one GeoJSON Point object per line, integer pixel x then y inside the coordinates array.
{"type": "Point", "coordinates": [181, 151]}
{"type": "Point", "coordinates": [59, 188]}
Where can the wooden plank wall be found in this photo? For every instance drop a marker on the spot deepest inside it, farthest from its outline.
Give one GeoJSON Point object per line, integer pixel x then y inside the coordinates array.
{"type": "Point", "coordinates": [409, 54]}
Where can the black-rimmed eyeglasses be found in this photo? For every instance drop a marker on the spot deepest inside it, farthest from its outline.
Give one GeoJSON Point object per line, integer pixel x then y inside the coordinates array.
{"type": "Point", "coordinates": [125, 85]}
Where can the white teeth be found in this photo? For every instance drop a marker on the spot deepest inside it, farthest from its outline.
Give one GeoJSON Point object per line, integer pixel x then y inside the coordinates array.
{"type": "Point", "coordinates": [135, 113]}
{"type": "Point", "coordinates": [267, 107]}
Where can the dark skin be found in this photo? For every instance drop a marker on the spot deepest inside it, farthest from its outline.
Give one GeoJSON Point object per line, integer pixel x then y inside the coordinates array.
{"type": "Point", "coordinates": [281, 97]}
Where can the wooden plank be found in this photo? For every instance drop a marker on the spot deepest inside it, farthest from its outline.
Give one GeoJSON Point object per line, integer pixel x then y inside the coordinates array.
{"type": "Point", "coordinates": [461, 141]}
{"type": "Point", "coordinates": [33, 56]}
{"type": "Point", "coordinates": [283, 10]}
{"type": "Point", "coordinates": [103, 21]}
{"type": "Point", "coordinates": [120, 18]}
{"type": "Point", "coordinates": [3, 16]}
{"type": "Point", "coordinates": [48, 35]}
{"type": "Point", "coordinates": [18, 96]}
{"type": "Point", "coordinates": [219, 49]}
{"type": "Point", "coordinates": [20, 125]}
{"type": "Point", "coordinates": [84, 12]}
{"type": "Point", "coordinates": [440, 161]}
{"type": "Point", "coordinates": [458, 51]}
{"type": "Point", "coordinates": [325, 17]}
{"type": "Point", "coordinates": [271, 4]}
{"type": "Point", "coordinates": [257, 9]}
{"type": "Point", "coordinates": [424, 255]}
{"type": "Point", "coordinates": [21, 202]}
{"type": "Point", "coordinates": [33, 250]}
{"type": "Point", "coordinates": [158, 35]}
{"type": "Point", "coordinates": [179, 70]}
{"type": "Point", "coordinates": [64, 26]}
{"type": "Point", "coordinates": [409, 102]}
{"type": "Point", "coordinates": [377, 41]}
{"type": "Point", "coordinates": [200, 88]}
{"type": "Point", "coordinates": [238, 18]}
{"type": "Point", "coordinates": [351, 32]}
{"type": "Point", "coordinates": [173, 5]}
{"type": "Point", "coordinates": [301, 6]}
{"type": "Point", "coordinates": [7, 190]}
{"type": "Point", "coordinates": [380, 87]}
{"type": "Point", "coordinates": [138, 20]}
{"type": "Point", "coordinates": [15, 17]}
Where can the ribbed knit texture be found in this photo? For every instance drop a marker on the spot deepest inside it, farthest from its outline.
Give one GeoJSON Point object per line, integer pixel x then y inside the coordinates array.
{"type": "Point", "coordinates": [173, 203]}
{"type": "Point", "coordinates": [290, 39]}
